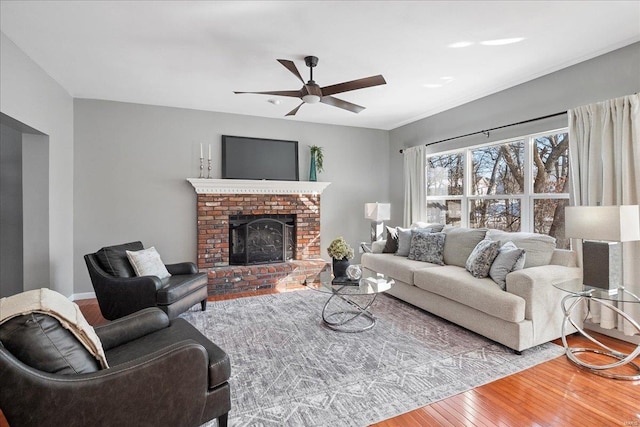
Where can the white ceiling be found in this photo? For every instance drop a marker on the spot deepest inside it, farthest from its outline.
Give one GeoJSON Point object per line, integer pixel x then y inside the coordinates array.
{"type": "Point", "coordinates": [194, 54]}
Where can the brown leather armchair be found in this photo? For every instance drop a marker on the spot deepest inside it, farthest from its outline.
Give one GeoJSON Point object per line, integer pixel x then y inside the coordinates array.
{"type": "Point", "coordinates": [120, 292]}
{"type": "Point", "coordinates": [161, 372]}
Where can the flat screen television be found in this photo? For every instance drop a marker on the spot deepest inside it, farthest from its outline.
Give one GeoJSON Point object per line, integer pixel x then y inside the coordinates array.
{"type": "Point", "coordinates": [258, 158]}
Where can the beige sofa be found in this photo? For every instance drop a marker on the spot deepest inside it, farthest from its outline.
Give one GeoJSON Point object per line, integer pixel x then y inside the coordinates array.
{"type": "Point", "coordinates": [526, 314]}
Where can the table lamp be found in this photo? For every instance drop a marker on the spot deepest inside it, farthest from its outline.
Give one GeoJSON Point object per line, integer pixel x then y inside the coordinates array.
{"type": "Point", "coordinates": [602, 229]}
{"type": "Point", "coordinates": [377, 213]}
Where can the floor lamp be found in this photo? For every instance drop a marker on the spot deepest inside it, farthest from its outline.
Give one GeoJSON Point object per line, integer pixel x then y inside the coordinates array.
{"type": "Point", "coordinates": [603, 229]}
{"type": "Point", "coordinates": [377, 213]}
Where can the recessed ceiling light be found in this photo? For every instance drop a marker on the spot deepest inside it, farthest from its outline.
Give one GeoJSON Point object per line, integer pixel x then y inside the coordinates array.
{"type": "Point", "coordinates": [447, 79]}
{"type": "Point", "coordinates": [432, 85]}
{"type": "Point", "coordinates": [457, 45]}
{"type": "Point", "coordinates": [501, 42]}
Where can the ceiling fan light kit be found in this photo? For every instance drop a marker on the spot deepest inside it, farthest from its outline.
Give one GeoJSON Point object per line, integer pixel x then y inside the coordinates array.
{"type": "Point", "coordinates": [311, 93]}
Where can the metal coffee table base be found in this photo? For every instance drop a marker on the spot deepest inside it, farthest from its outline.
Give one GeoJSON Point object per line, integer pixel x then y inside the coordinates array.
{"type": "Point", "coordinates": [349, 317]}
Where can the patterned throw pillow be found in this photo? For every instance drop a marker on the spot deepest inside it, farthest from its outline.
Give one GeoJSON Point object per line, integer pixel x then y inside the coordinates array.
{"type": "Point", "coordinates": [510, 258]}
{"type": "Point", "coordinates": [481, 258]}
{"type": "Point", "coordinates": [391, 245]}
{"type": "Point", "coordinates": [427, 246]}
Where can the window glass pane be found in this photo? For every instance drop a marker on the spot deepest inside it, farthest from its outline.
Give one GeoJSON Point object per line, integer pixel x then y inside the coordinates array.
{"type": "Point", "coordinates": [548, 218]}
{"type": "Point", "coordinates": [551, 163]}
{"type": "Point", "coordinates": [445, 175]}
{"type": "Point", "coordinates": [444, 212]}
{"type": "Point", "coordinates": [498, 169]}
{"type": "Point", "coordinates": [501, 214]}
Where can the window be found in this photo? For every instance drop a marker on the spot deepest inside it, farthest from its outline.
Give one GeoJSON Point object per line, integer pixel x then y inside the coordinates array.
{"type": "Point", "coordinates": [515, 185]}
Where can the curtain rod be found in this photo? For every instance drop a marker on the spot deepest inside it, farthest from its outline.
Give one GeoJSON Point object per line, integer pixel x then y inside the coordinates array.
{"type": "Point", "coordinates": [486, 131]}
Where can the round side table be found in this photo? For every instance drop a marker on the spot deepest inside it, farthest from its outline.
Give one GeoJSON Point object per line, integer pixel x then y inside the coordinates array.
{"type": "Point", "coordinates": [611, 301]}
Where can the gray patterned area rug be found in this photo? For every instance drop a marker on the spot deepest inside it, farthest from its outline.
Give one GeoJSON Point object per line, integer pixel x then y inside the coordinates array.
{"type": "Point", "coordinates": [287, 369]}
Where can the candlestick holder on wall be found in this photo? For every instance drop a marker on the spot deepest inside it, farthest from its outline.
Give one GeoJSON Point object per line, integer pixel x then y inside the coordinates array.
{"type": "Point", "coordinates": [201, 167]}
{"type": "Point", "coordinates": [209, 170]}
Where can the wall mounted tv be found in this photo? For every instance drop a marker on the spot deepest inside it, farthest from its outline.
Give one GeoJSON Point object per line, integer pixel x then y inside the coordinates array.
{"type": "Point", "coordinates": [258, 158]}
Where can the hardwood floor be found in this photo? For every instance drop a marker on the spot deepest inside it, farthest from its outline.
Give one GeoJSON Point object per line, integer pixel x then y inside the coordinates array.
{"type": "Point", "coordinates": [554, 393]}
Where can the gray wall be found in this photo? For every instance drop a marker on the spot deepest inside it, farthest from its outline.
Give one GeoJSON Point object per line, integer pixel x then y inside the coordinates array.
{"type": "Point", "coordinates": [31, 96]}
{"type": "Point", "coordinates": [608, 76]}
{"type": "Point", "coordinates": [131, 163]}
{"type": "Point", "coordinates": [11, 250]}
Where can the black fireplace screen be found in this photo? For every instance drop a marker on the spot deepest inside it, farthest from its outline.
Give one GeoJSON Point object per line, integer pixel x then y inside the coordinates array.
{"type": "Point", "coordinates": [261, 239]}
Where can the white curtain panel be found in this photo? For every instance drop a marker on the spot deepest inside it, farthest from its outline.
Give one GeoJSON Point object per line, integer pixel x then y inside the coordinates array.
{"type": "Point", "coordinates": [415, 198]}
{"type": "Point", "coordinates": [604, 155]}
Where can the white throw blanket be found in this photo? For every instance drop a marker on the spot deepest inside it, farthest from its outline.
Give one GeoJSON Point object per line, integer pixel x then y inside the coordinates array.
{"type": "Point", "coordinates": [55, 305]}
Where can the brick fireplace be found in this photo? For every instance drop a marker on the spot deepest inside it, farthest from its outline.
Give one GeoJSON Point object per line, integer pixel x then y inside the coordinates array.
{"type": "Point", "coordinates": [218, 200]}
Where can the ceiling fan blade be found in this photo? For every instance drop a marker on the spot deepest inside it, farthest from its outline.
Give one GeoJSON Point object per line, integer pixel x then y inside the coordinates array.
{"type": "Point", "coordinates": [292, 93]}
{"type": "Point", "coordinates": [289, 65]}
{"type": "Point", "coordinates": [336, 102]}
{"type": "Point", "coordinates": [353, 85]}
{"type": "Point", "coordinates": [294, 111]}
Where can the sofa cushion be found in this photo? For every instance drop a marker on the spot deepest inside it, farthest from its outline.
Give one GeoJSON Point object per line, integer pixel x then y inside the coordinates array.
{"type": "Point", "coordinates": [484, 295]}
{"type": "Point", "coordinates": [398, 268]}
{"type": "Point", "coordinates": [539, 247]}
{"type": "Point", "coordinates": [147, 262]}
{"type": "Point", "coordinates": [114, 261]}
{"type": "Point", "coordinates": [427, 246]}
{"type": "Point", "coordinates": [481, 258]}
{"type": "Point", "coordinates": [459, 244]}
{"type": "Point", "coordinates": [510, 258]}
{"type": "Point", "coordinates": [41, 342]}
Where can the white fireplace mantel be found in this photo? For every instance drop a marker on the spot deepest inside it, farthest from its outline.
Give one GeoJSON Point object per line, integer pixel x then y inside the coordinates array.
{"type": "Point", "coordinates": [243, 186]}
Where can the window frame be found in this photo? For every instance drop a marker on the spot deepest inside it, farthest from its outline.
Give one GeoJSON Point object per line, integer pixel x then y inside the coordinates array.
{"type": "Point", "coordinates": [528, 196]}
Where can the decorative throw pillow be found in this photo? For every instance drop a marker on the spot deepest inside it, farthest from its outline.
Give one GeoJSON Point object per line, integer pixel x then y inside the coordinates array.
{"type": "Point", "coordinates": [427, 246]}
{"type": "Point", "coordinates": [510, 258]}
{"type": "Point", "coordinates": [404, 241]}
{"type": "Point", "coordinates": [147, 262]}
{"type": "Point", "coordinates": [481, 258]}
{"type": "Point", "coordinates": [460, 243]}
{"type": "Point", "coordinates": [391, 246]}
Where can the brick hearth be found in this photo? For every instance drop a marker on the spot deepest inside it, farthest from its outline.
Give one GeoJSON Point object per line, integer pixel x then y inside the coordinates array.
{"type": "Point", "coordinates": [217, 200]}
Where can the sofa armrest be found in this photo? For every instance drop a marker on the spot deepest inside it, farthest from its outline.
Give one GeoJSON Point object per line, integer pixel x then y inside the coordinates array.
{"type": "Point", "coordinates": [152, 390]}
{"type": "Point", "coordinates": [131, 327]}
{"type": "Point", "coordinates": [378, 246]}
{"type": "Point", "coordinates": [182, 268]}
{"type": "Point", "coordinates": [564, 257]}
{"type": "Point", "coordinates": [535, 285]}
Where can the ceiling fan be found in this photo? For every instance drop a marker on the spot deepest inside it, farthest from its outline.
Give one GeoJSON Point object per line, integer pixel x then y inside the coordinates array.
{"type": "Point", "coordinates": [311, 93]}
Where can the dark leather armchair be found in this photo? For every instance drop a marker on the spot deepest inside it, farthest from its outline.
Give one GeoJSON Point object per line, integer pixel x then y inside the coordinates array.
{"type": "Point", "coordinates": [120, 292]}
{"type": "Point", "coordinates": [161, 372]}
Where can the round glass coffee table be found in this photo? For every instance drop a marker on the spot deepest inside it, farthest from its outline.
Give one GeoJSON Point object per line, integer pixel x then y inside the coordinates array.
{"type": "Point", "coordinates": [614, 301]}
{"type": "Point", "coordinates": [348, 307]}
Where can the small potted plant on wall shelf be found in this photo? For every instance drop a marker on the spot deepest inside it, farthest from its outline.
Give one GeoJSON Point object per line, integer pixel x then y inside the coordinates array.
{"type": "Point", "coordinates": [317, 159]}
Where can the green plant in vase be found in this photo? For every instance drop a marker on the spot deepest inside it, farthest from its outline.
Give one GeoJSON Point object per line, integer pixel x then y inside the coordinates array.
{"type": "Point", "coordinates": [317, 162]}
{"type": "Point", "coordinates": [340, 251]}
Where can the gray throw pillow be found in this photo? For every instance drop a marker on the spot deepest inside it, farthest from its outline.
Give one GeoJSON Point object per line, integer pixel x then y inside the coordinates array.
{"type": "Point", "coordinates": [404, 241]}
{"type": "Point", "coordinates": [481, 258]}
{"type": "Point", "coordinates": [391, 246]}
{"type": "Point", "coordinates": [427, 246]}
{"type": "Point", "coordinates": [510, 258]}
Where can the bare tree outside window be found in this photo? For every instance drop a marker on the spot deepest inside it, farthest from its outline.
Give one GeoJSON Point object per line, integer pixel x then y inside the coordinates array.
{"type": "Point", "coordinates": [445, 175]}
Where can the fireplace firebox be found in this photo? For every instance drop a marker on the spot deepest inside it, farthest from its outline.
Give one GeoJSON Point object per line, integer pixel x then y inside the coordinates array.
{"type": "Point", "coordinates": [261, 239]}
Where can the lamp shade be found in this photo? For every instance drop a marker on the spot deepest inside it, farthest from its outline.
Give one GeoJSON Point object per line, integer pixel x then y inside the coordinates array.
{"type": "Point", "coordinates": [610, 223]}
{"type": "Point", "coordinates": [377, 211]}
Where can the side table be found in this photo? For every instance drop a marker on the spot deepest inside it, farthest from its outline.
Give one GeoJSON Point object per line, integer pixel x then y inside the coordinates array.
{"type": "Point", "coordinates": [608, 300]}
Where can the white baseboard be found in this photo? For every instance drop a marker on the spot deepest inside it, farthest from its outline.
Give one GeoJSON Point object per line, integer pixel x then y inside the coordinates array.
{"type": "Point", "coordinates": [83, 295]}
{"type": "Point", "coordinates": [614, 333]}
